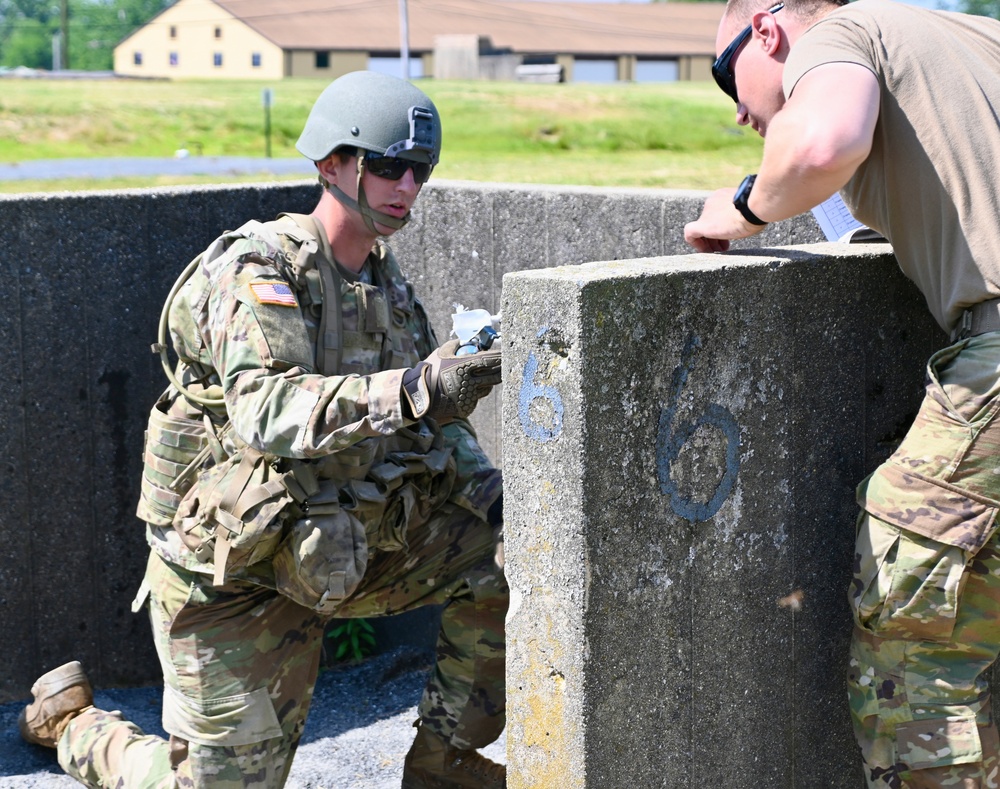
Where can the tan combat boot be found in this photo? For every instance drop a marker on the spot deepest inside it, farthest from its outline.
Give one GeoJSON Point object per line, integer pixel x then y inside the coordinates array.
{"type": "Point", "coordinates": [433, 763]}
{"type": "Point", "coordinates": [59, 696]}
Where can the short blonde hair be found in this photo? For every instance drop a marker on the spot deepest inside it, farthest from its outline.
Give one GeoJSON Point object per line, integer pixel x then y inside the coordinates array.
{"type": "Point", "coordinates": [741, 11]}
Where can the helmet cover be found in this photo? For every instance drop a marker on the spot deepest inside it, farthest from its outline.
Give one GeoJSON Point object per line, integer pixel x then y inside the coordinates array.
{"type": "Point", "coordinates": [375, 112]}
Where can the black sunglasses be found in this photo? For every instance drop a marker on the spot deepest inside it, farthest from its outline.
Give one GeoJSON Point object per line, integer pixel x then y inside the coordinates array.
{"type": "Point", "coordinates": [722, 68]}
{"type": "Point", "coordinates": [394, 168]}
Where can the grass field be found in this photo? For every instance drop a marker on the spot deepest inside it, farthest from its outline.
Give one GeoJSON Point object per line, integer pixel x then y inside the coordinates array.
{"type": "Point", "coordinates": [679, 135]}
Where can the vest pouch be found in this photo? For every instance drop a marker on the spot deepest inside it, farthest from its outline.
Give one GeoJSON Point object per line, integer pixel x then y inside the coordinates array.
{"type": "Point", "coordinates": [416, 485]}
{"type": "Point", "coordinates": [353, 462]}
{"type": "Point", "coordinates": [432, 476]}
{"type": "Point", "coordinates": [324, 556]}
{"type": "Point", "coordinates": [366, 501]}
{"type": "Point", "coordinates": [397, 519]}
{"type": "Point", "coordinates": [233, 516]}
{"type": "Point", "coordinates": [172, 444]}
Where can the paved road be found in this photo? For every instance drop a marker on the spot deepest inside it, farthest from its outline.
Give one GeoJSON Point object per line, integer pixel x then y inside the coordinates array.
{"type": "Point", "coordinates": [358, 731]}
{"type": "Point", "coordinates": [54, 169]}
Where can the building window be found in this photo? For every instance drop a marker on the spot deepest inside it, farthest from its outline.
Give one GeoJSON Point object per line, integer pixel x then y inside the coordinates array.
{"type": "Point", "coordinates": [217, 59]}
{"type": "Point", "coordinates": [394, 66]}
{"type": "Point", "coordinates": [255, 60]}
{"type": "Point", "coordinates": [657, 71]}
{"type": "Point", "coordinates": [137, 58]}
{"type": "Point", "coordinates": [218, 32]}
{"type": "Point", "coordinates": [322, 60]}
{"type": "Point", "coordinates": [173, 58]}
{"type": "Point", "coordinates": [173, 31]}
{"type": "Point", "coordinates": [595, 70]}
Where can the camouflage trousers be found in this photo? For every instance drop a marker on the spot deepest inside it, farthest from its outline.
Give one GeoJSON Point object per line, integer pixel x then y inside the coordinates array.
{"type": "Point", "coordinates": [240, 662]}
{"type": "Point", "coordinates": [927, 585]}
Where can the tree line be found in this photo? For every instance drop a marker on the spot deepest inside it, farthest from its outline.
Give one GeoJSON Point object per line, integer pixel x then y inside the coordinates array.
{"type": "Point", "coordinates": [76, 34]}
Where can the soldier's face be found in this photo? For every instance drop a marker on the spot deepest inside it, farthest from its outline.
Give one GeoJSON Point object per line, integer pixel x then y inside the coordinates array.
{"type": "Point", "coordinates": [392, 197]}
{"type": "Point", "coordinates": [756, 70]}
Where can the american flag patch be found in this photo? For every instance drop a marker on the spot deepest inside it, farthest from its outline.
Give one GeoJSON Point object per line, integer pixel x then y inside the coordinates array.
{"type": "Point", "coordinates": [273, 293]}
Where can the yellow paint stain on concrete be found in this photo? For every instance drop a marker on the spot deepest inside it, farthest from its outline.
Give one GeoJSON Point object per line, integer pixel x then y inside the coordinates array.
{"type": "Point", "coordinates": [544, 737]}
{"type": "Point", "coordinates": [548, 490]}
{"type": "Point", "coordinates": [548, 733]}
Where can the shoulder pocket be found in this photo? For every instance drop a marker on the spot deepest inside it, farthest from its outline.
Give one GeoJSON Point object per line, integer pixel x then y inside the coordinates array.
{"type": "Point", "coordinates": [283, 337]}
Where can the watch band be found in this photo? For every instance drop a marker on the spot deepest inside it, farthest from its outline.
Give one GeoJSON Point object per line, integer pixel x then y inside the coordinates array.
{"type": "Point", "coordinates": [741, 198]}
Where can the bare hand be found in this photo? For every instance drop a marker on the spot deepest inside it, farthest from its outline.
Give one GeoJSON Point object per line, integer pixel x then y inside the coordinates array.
{"type": "Point", "coordinates": [718, 224]}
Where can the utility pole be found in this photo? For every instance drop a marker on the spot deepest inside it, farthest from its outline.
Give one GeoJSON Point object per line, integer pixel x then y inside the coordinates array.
{"type": "Point", "coordinates": [404, 39]}
{"type": "Point", "coordinates": [64, 38]}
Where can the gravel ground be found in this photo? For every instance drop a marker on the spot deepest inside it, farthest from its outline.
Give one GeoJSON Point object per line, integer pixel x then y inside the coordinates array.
{"type": "Point", "coordinates": [358, 732]}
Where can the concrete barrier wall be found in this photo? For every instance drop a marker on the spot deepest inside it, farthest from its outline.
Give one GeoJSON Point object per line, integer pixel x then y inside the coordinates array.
{"type": "Point", "coordinates": [85, 276]}
{"type": "Point", "coordinates": [682, 438]}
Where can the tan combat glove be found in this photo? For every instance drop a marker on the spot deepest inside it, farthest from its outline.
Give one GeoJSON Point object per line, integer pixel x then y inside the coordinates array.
{"type": "Point", "coordinates": [445, 386]}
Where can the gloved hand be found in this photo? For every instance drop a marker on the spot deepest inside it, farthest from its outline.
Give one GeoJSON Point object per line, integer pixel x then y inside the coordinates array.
{"type": "Point", "coordinates": [445, 386]}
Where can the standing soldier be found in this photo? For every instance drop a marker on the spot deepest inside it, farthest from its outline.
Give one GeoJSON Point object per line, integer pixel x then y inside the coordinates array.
{"type": "Point", "coordinates": [896, 108]}
{"type": "Point", "coordinates": [310, 459]}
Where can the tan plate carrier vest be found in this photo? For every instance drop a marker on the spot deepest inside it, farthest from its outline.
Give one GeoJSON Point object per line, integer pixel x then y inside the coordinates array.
{"type": "Point", "coordinates": [235, 507]}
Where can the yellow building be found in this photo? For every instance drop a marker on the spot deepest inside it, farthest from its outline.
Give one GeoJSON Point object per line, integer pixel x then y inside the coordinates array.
{"type": "Point", "coordinates": [271, 39]}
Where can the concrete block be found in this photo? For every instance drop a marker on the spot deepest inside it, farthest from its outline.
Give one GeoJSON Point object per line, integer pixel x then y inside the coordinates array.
{"type": "Point", "coordinates": [86, 276]}
{"type": "Point", "coordinates": [16, 547]}
{"type": "Point", "coordinates": [682, 438]}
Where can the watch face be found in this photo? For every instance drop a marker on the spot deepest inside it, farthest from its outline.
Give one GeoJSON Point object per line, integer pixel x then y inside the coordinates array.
{"type": "Point", "coordinates": [742, 196]}
{"type": "Point", "coordinates": [743, 193]}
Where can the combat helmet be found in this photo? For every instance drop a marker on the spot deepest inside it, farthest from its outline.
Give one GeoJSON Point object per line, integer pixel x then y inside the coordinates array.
{"type": "Point", "coordinates": [374, 112]}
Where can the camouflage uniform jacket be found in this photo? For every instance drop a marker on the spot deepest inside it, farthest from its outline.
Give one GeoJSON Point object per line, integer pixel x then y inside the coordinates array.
{"type": "Point", "coordinates": [321, 389]}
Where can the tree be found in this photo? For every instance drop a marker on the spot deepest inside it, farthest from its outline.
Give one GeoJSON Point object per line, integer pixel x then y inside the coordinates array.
{"type": "Point", "coordinates": [989, 8]}
{"type": "Point", "coordinates": [27, 28]}
{"type": "Point", "coordinates": [26, 33]}
{"type": "Point", "coordinates": [28, 43]}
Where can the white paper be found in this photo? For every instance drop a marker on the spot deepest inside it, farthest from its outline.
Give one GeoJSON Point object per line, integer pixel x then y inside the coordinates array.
{"type": "Point", "coordinates": [466, 324]}
{"type": "Point", "coordinates": [834, 218]}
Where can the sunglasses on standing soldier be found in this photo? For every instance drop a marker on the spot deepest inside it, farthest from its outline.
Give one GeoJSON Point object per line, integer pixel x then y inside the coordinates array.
{"type": "Point", "coordinates": [722, 69]}
{"type": "Point", "coordinates": [393, 168]}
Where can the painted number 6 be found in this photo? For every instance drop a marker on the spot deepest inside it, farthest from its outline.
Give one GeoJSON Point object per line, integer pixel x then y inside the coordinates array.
{"type": "Point", "coordinates": [530, 391]}
{"type": "Point", "coordinates": [673, 433]}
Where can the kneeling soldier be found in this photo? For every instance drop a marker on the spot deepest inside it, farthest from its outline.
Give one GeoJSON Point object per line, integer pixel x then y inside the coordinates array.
{"type": "Point", "coordinates": [309, 460]}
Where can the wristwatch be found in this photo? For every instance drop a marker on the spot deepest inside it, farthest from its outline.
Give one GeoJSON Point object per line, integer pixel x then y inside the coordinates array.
{"type": "Point", "coordinates": [740, 201]}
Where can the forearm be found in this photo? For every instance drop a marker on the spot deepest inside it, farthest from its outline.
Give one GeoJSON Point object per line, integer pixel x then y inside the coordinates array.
{"type": "Point", "coordinates": [802, 167]}
{"type": "Point", "coordinates": [817, 141]}
{"type": "Point", "coordinates": [300, 414]}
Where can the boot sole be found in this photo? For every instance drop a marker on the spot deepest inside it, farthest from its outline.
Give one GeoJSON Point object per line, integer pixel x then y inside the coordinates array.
{"type": "Point", "coordinates": [51, 684]}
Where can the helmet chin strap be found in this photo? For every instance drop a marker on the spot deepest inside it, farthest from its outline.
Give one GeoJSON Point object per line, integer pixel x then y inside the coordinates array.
{"type": "Point", "coordinates": [368, 214]}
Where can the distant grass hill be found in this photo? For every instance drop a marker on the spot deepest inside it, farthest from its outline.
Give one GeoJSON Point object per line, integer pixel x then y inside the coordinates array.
{"type": "Point", "coordinates": [677, 135]}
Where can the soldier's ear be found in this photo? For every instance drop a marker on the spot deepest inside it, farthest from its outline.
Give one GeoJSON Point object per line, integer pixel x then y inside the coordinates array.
{"type": "Point", "coordinates": [335, 168]}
